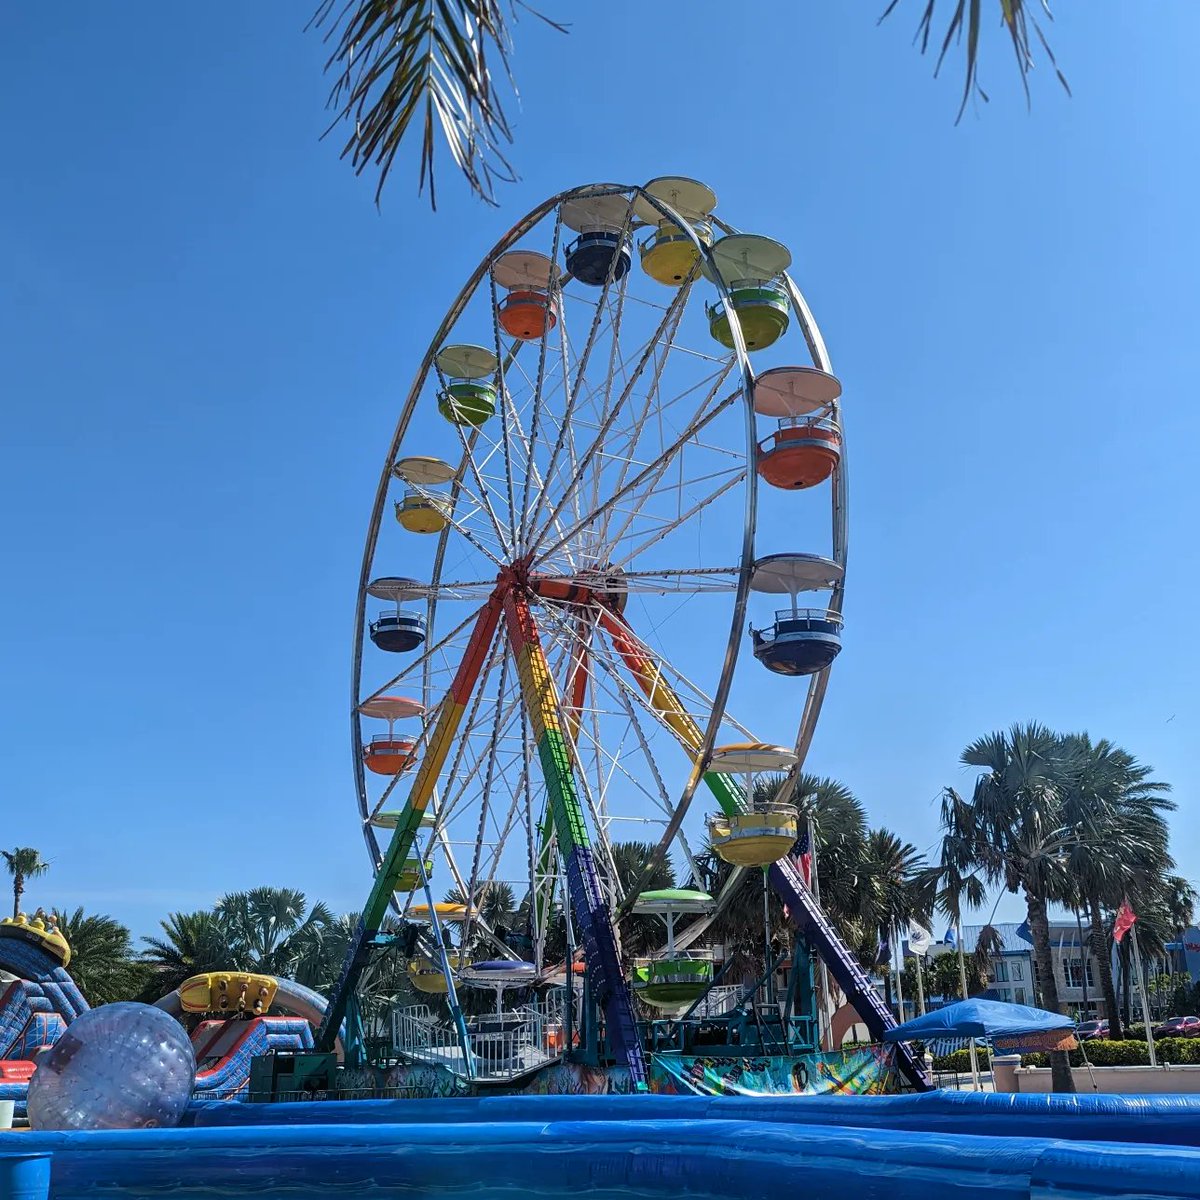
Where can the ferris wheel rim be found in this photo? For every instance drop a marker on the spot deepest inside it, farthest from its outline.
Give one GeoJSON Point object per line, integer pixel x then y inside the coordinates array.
{"type": "Point", "coordinates": [745, 371]}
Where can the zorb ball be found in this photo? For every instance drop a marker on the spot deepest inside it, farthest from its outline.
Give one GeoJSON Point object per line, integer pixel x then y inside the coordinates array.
{"type": "Point", "coordinates": [120, 1066]}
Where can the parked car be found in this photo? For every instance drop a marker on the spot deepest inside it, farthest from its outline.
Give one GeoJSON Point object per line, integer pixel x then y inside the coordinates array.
{"type": "Point", "coordinates": [1092, 1029]}
{"type": "Point", "coordinates": [1179, 1027]}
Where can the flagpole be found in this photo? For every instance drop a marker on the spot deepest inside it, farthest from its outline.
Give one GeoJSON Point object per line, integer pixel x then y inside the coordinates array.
{"type": "Point", "coordinates": [962, 980]}
{"type": "Point", "coordinates": [824, 1017]}
{"type": "Point", "coordinates": [920, 963]}
{"type": "Point", "coordinates": [1139, 975]}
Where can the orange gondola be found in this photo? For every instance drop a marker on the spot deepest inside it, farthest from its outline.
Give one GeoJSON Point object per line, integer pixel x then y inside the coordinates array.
{"type": "Point", "coordinates": [800, 456]}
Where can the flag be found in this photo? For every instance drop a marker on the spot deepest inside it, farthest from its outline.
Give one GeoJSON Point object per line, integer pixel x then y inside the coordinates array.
{"type": "Point", "coordinates": [802, 857]}
{"type": "Point", "coordinates": [951, 938]}
{"type": "Point", "coordinates": [1023, 932]}
{"type": "Point", "coordinates": [919, 939]}
{"type": "Point", "coordinates": [883, 955]}
{"type": "Point", "coordinates": [1124, 920]}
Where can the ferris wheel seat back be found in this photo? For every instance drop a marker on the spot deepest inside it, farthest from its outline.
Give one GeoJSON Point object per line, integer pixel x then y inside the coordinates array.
{"type": "Point", "coordinates": [409, 878]}
{"type": "Point", "coordinates": [800, 456]}
{"type": "Point", "coordinates": [398, 632]}
{"type": "Point", "coordinates": [527, 314]}
{"type": "Point", "coordinates": [468, 402]}
{"type": "Point", "coordinates": [754, 839]}
{"type": "Point", "coordinates": [595, 255]}
{"type": "Point", "coordinates": [802, 641]}
{"type": "Point", "coordinates": [426, 974]}
{"type": "Point", "coordinates": [388, 755]}
{"type": "Point", "coordinates": [423, 514]}
{"type": "Point", "coordinates": [670, 255]}
{"type": "Point", "coordinates": [762, 313]}
{"type": "Point", "coordinates": [673, 981]}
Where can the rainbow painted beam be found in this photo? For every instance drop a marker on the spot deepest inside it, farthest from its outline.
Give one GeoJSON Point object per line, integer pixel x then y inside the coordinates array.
{"type": "Point", "coordinates": [432, 762]}
{"type": "Point", "coordinates": [669, 709]}
{"type": "Point", "coordinates": [588, 907]}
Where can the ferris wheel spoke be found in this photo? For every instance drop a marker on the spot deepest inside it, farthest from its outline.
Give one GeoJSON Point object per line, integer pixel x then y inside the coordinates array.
{"type": "Point", "coordinates": [535, 417]}
{"type": "Point", "coordinates": [480, 496]}
{"type": "Point", "coordinates": [504, 418]}
{"type": "Point", "coordinates": [572, 391]}
{"type": "Point", "coordinates": [610, 701]}
{"type": "Point", "coordinates": [489, 776]}
{"type": "Point", "coordinates": [610, 413]}
{"type": "Point", "coordinates": [637, 426]}
{"type": "Point", "coordinates": [661, 466]}
{"type": "Point", "coordinates": [612, 540]}
{"type": "Point", "coordinates": [693, 428]}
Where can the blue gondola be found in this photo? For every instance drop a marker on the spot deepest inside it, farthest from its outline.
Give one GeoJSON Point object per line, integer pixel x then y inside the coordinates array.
{"type": "Point", "coordinates": [398, 632]}
{"type": "Point", "coordinates": [592, 255]}
{"type": "Point", "coordinates": [801, 641]}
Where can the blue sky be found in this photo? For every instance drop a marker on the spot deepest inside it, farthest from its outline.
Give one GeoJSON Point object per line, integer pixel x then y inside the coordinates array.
{"type": "Point", "coordinates": [206, 328]}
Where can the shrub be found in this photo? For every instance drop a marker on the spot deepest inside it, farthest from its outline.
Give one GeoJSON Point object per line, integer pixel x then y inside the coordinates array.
{"type": "Point", "coordinates": [960, 1061]}
{"type": "Point", "coordinates": [1101, 1052]}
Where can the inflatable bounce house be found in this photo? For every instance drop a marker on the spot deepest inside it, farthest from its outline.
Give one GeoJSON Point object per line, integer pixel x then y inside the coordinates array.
{"type": "Point", "coordinates": [235, 1016]}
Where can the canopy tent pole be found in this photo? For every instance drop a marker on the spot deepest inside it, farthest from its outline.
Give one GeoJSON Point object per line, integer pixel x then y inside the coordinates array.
{"type": "Point", "coordinates": [962, 980]}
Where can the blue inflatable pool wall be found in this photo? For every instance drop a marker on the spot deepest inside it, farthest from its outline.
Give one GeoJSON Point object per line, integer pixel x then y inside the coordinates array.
{"type": "Point", "coordinates": [971, 1147]}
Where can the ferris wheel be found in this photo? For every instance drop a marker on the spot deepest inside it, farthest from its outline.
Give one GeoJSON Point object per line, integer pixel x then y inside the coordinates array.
{"type": "Point", "coordinates": [562, 559]}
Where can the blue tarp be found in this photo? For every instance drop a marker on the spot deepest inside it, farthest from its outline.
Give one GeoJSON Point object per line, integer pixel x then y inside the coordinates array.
{"type": "Point", "coordinates": [979, 1019]}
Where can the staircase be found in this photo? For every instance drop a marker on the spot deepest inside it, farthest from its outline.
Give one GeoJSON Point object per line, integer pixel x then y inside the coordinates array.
{"type": "Point", "coordinates": [815, 928]}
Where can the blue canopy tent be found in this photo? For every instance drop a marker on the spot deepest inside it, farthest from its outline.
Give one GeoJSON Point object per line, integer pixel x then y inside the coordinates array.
{"type": "Point", "coordinates": [1015, 1026]}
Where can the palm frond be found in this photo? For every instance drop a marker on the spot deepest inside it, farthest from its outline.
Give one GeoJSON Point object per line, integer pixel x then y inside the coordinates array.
{"type": "Point", "coordinates": [966, 24]}
{"type": "Point", "coordinates": [429, 62]}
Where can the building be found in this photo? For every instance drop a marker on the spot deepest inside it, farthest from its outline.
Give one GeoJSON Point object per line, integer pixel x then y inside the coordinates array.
{"type": "Point", "coordinates": [1012, 975]}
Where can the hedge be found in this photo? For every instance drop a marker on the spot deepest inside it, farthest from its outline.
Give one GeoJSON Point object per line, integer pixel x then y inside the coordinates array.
{"type": "Point", "coordinates": [1100, 1053]}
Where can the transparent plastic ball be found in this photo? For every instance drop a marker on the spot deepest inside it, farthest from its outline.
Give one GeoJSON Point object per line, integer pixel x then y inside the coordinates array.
{"type": "Point", "coordinates": [119, 1066]}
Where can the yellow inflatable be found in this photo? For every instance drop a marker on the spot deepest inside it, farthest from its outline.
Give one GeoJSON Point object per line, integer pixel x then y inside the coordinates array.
{"type": "Point", "coordinates": [40, 929]}
{"type": "Point", "coordinates": [227, 992]}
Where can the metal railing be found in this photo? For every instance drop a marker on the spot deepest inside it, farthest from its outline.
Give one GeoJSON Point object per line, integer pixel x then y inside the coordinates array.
{"type": "Point", "coordinates": [720, 1000]}
{"type": "Point", "coordinates": [503, 1045]}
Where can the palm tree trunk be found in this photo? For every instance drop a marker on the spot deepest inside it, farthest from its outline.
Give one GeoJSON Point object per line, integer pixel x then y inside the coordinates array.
{"type": "Point", "coordinates": [1104, 961]}
{"type": "Point", "coordinates": [1061, 1079]}
{"type": "Point", "coordinates": [18, 889]}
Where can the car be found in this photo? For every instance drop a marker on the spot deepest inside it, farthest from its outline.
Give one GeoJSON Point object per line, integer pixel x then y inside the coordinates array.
{"type": "Point", "coordinates": [1179, 1027]}
{"type": "Point", "coordinates": [1092, 1029]}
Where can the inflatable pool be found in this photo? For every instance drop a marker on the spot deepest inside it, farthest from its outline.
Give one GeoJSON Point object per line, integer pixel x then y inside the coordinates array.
{"type": "Point", "coordinates": [616, 1148]}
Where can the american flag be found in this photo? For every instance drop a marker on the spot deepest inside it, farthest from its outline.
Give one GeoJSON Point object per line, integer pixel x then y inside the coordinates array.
{"type": "Point", "coordinates": [802, 857]}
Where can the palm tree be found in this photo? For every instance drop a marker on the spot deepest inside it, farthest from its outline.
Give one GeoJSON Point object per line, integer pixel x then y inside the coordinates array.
{"type": "Point", "coordinates": [870, 880]}
{"type": "Point", "coordinates": [272, 930]}
{"type": "Point", "coordinates": [1180, 901]}
{"type": "Point", "coordinates": [396, 62]}
{"type": "Point", "coordinates": [640, 933]}
{"type": "Point", "coordinates": [839, 826]}
{"type": "Point", "coordinates": [269, 930]}
{"type": "Point", "coordinates": [1014, 832]}
{"type": "Point", "coordinates": [23, 862]}
{"type": "Point", "coordinates": [893, 891]}
{"type": "Point", "coordinates": [103, 962]}
{"type": "Point", "coordinates": [192, 943]}
{"type": "Point", "coordinates": [1121, 847]}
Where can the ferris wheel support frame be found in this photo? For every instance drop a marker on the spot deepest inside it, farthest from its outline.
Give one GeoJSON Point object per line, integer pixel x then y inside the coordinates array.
{"type": "Point", "coordinates": [588, 904]}
{"type": "Point", "coordinates": [406, 830]}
